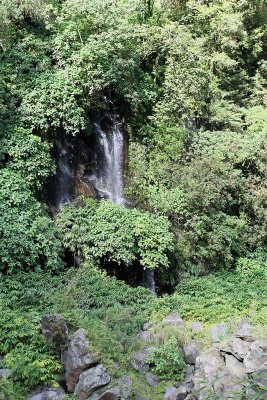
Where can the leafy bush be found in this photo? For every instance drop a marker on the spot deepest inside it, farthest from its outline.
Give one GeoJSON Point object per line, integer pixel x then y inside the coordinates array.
{"type": "Point", "coordinates": [256, 265]}
{"type": "Point", "coordinates": [28, 238]}
{"type": "Point", "coordinates": [25, 350]}
{"type": "Point", "coordinates": [104, 230]}
{"type": "Point", "coordinates": [167, 360]}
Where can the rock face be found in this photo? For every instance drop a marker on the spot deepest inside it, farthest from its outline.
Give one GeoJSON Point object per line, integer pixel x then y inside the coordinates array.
{"type": "Point", "coordinates": [54, 330]}
{"type": "Point", "coordinates": [77, 358]}
{"type": "Point", "coordinates": [191, 351]}
{"type": "Point", "coordinates": [48, 394]}
{"type": "Point", "coordinates": [256, 358]}
{"type": "Point", "coordinates": [224, 370]}
{"type": "Point", "coordinates": [91, 380]}
{"type": "Point", "coordinates": [139, 360]}
{"type": "Point", "coordinates": [218, 332]}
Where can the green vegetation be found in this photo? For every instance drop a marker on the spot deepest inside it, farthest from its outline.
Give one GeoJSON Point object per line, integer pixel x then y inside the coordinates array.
{"type": "Point", "coordinates": [104, 230]}
{"type": "Point", "coordinates": [189, 78]}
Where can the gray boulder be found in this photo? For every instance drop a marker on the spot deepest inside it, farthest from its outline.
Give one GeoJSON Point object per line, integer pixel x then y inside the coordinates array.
{"type": "Point", "coordinates": [245, 331]}
{"type": "Point", "coordinates": [191, 351]}
{"type": "Point", "coordinates": [237, 347]}
{"type": "Point", "coordinates": [179, 393]}
{"type": "Point", "coordinates": [54, 330]}
{"type": "Point", "coordinates": [174, 319]}
{"type": "Point", "coordinates": [112, 393]}
{"type": "Point", "coordinates": [234, 366]}
{"type": "Point", "coordinates": [218, 332]}
{"type": "Point", "coordinates": [144, 336]}
{"type": "Point", "coordinates": [48, 394]}
{"type": "Point", "coordinates": [126, 386]}
{"type": "Point", "coordinates": [152, 379]}
{"type": "Point", "coordinates": [256, 358]}
{"type": "Point", "coordinates": [138, 360]}
{"type": "Point", "coordinates": [170, 393]}
{"type": "Point", "coordinates": [91, 380]}
{"type": "Point", "coordinates": [77, 358]}
{"type": "Point", "coordinates": [208, 362]}
{"type": "Point", "coordinates": [227, 386]}
{"type": "Point", "coordinates": [196, 326]}
{"type": "Point", "coordinates": [5, 373]}
{"type": "Point", "coordinates": [189, 371]}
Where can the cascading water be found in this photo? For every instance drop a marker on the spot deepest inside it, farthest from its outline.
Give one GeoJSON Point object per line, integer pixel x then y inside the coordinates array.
{"type": "Point", "coordinates": [108, 164]}
{"type": "Point", "coordinates": [64, 186]}
{"type": "Point", "coordinates": [148, 279]}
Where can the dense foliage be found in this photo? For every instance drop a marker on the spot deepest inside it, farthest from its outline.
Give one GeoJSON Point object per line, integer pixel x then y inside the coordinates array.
{"type": "Point", "coordinates": [189, 78]}
{"type": "Point", "coordinates": [101, 230]}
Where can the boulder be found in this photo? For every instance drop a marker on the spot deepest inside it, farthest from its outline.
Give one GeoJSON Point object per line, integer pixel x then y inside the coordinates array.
{"type": "Point", "coordinates": [5, 373]}
{"type": "Point", "coordinates": [152, 379]}
{"type": "Point", "coordinates": [196, 326]}
{"type": "Point", "coordinates": [237, 347]}
{"type": "Point", "coordinates": [125, 384]}
{"type": "Point", "coordinates": [48, 394]}
{"type": "Point", "coordinates": [144, 336]}
{"type": "Point", "coordinates": [77, 358]}
{"type": "Point", "coordinates": [184, 390]}
{"type": "Point", "coordinates": [54, 330]}
{"type": "Point", "coordinates": [147, 325]}
{"type": "Point", "coordinates": [170, 393]}
{"type": "Point", "coordinates": [208, 363]}
{"type": "Point", "coordinates": [112, 393]}
{"type": "Point", "coordinates": [179, 393]}
{"type": "Point", "coordinates": [189, 371]}
{"type": "Point", "coordinates": [91, 380]}
{"type": "Point", "coordinates": [256, 358]}
{"type": "Point", "coordinates": [218, 332]}
{"type": "Point", "coordinates": [234, 366]}
{"type": "Point", "coordinates": [139, 359]}
{"type": "Point", "coordinates": [174, 319]}
{"type": "Point", "coordinates": [191, 351]}
{"type": "Point", "coordinates": [245, 331]}
{"type": "Point", "coordinates": [260, 377]}
{"type": "Point", "coordinates": [227, 386]}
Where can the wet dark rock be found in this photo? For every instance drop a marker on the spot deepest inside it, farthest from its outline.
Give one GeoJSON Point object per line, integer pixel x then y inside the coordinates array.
{"type": "Point", "coordinates": [55, 330]}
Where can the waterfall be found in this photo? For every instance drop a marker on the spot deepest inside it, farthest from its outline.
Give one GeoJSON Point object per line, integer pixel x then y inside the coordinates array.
{"type": "Point", "coordinates": [148, 279]}
{"type": "Point", "coordinates": [64, 185]}
{"type": "Point", "coordinates": [108, 164]}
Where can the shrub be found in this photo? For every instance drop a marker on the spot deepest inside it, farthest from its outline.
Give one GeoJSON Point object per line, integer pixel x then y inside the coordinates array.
{"type": "Point", "coordinates": [167, 360]}
{"type": "Point", "coordinates": [111, 232]}
{"type": "Point", "coordinates": [28, 238]}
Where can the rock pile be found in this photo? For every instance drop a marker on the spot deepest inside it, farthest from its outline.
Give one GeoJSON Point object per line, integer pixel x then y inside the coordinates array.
{"type": "Point", "coordinates": [225, 371]}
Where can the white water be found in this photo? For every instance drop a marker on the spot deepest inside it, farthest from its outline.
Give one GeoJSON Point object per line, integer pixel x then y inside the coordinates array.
{"type": "Point", "coordinates": [64, 176]}
{"type": "Point", "coordinates": [108, 175]}
{"type": "Point", "coordinates": [148, 280]}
